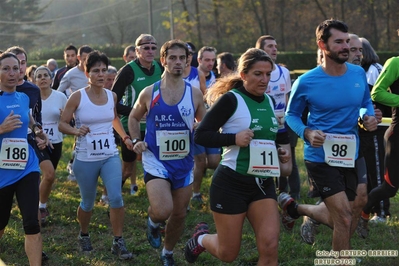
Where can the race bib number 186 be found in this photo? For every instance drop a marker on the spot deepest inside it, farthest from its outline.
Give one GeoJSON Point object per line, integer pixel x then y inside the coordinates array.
{"type": "Point", "coordinates": [14, 153]}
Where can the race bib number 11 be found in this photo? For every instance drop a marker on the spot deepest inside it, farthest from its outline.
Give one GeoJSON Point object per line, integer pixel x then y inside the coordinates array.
{"type": "Point", "coordinates": [263, 158]}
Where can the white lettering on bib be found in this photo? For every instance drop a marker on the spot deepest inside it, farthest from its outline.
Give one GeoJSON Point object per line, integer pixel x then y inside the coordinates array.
{"type": "Point", "coordinates": [340, 150]}
{"type": "Point", "coordinates": [173, 145]}
{"type": "Point", "coordinates": [14, 153]}
{"type": "Point", "coordinates": [99, 145]}
{"type": "Point", "coordinates": [263, 158]}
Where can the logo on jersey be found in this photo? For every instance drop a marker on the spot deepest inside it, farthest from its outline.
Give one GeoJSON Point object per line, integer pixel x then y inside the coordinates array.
{"type": "Point", "coordinates": [184, 111]}
{"type": "Point", "coordinates": [141, 78]}
{"type": "Point", "coordinates": [163, 118]}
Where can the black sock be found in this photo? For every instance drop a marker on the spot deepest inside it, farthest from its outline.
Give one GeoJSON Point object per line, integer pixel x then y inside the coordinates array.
{"type": "Point", "coordinates": [116, 238]}
{"type": "Point", "coordinates": [81, 234]}
{"type": "Point", "coordinates": [292, 210]}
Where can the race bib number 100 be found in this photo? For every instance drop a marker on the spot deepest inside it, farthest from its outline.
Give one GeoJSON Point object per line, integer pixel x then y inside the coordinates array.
{"type": "Point", "coordinates": [14, 153]}
{"type": "Point", "coordinates": [173, 145]}
{"type": "Point", "coordinates": [263, 158]}
{"type": "Point", "coordinates": [340, 150]}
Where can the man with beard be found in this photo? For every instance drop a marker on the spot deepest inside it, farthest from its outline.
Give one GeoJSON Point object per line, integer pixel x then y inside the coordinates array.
{"type": "Point", "coordinates": [172, 106]}
{"type": "Point", "coordinates": [331, 134]}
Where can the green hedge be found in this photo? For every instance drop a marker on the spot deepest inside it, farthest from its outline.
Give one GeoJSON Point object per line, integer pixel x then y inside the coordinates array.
{"type": "Point", "coordinates": [116, 62]}
{"type": "Point", "coordinates": [293, 60]}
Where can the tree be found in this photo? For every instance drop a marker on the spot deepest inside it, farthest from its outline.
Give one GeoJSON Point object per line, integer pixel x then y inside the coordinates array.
{"type": "Point", "coordinates": [18, 22]}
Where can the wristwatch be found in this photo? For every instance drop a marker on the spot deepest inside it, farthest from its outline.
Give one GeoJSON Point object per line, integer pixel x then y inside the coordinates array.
{"type": "Point", "coordinates": [134, 141]}
{"type": "Point", "coordinates": [38, 126]}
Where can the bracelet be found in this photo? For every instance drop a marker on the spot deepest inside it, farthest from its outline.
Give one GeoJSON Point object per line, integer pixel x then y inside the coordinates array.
{"type": "Point", "coordinates": [125, 138]}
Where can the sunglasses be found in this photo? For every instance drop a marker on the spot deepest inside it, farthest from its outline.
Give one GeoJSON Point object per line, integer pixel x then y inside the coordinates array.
{"type": "Point", "coordinates": [149, 48]}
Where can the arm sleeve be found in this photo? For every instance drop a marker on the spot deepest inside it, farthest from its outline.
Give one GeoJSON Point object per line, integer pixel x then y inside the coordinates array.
{"type": "Point", "coordinates": [207, 133]}
{"type": "Point", "coordinates": [295, 108]}
{"type": "Point", "coordinates": [123, 79]}
{"type": "Point", "coordinates": [56, 81]}
{"type": "Point", "coordinates": [64, 84]}
{"type": "Point", "coordinates": [38, 116]}
{"type": "Point", "coordinates": [367, 105]}
{"type": "Point", "coordinates": [388, 76]}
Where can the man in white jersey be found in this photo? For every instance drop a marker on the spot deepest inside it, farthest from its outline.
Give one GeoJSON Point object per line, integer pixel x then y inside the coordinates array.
{"type": "Point", "coordinates": [204, 157]}
{"type": "Point", "coordinates": [171, 105]}
{"type": "Point", "coordinates": [278, 88]}
{"type": "Point", "coordinates": [206, 62]}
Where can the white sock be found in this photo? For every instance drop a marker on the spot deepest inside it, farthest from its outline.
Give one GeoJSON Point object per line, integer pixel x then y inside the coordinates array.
{"type": "Point", "coordinates": [200, 239]}
{"type": "Point", "coordinates": [164, 252]}
{"type": "Point", "coordinates": [196, 194]}
{"type": "Point", "coordinates": [152, 223]}
{"type": "Point", "coordinates": [42, 205]}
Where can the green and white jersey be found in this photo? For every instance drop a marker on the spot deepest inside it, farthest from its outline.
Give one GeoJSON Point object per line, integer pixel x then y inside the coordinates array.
{"type": "Point", "coordinates": [141, 80]}
{"type": "Point", "coordinates": [256, 116]}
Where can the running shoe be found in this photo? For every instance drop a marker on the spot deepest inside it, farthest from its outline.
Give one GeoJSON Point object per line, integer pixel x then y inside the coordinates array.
{"type": "Point", "coordinates": [193, 249]}
{"type": "Point", "coordinates": [362, 228]}
{"type": "Point", "coordinates": [104, 200]}
{"type": "Point", "coordinates": [85, 243]}
{"type": "Point", "coordinates": [153, 235]}
{"type": "Point", "coordinates": [134, 189]}
{"type": "Point", "coordinates": [309, 230]}
{"type": "Point", "coordinates": [378, 219]}
{"type": "Point", "coordinates": [167, 260]}
{"type": "Point", "coordinates": [44, 213]}
{"type": "Point", "coordinates": [284, 200]}
{"type": "Point", "coordinates": [71, 176]}
{"type": "Point", "coordinates": [197, 200]}
{"type": "Point", "coordinates": [119, 248]}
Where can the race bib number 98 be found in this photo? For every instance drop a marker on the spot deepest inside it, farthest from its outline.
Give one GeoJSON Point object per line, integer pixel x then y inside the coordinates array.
{"type": "Point", "coordinates": [340, 150]}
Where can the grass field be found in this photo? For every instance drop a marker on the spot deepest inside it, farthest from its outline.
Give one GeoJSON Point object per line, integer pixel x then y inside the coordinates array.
{"type": "Point", "coordinates": [60, 235]}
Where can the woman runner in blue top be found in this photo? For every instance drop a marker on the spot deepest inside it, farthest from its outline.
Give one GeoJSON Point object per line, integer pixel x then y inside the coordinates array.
{"type": "Point", "coordinates": [19, 166]}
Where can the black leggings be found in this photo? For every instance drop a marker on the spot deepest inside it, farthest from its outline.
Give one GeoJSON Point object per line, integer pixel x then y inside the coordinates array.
{"type": "Point", "coordinates": [27, 193]}
{"type": "Point", "coordinates": [390, 185]}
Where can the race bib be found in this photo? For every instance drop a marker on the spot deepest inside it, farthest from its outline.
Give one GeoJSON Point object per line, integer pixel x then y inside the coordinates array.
{"type": "Point", "coordinates": [14, 153]}
{"type": "Point", "coordinates": [173, 145]}
{"type": "Point", "coordinates": [263, 158]}
{"type": "Point", "coordinates": [340, 150]}
{"type": "Point", "coordinates": [99, 145]}
{"type": "Point", "coordinates": [51, 130]}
